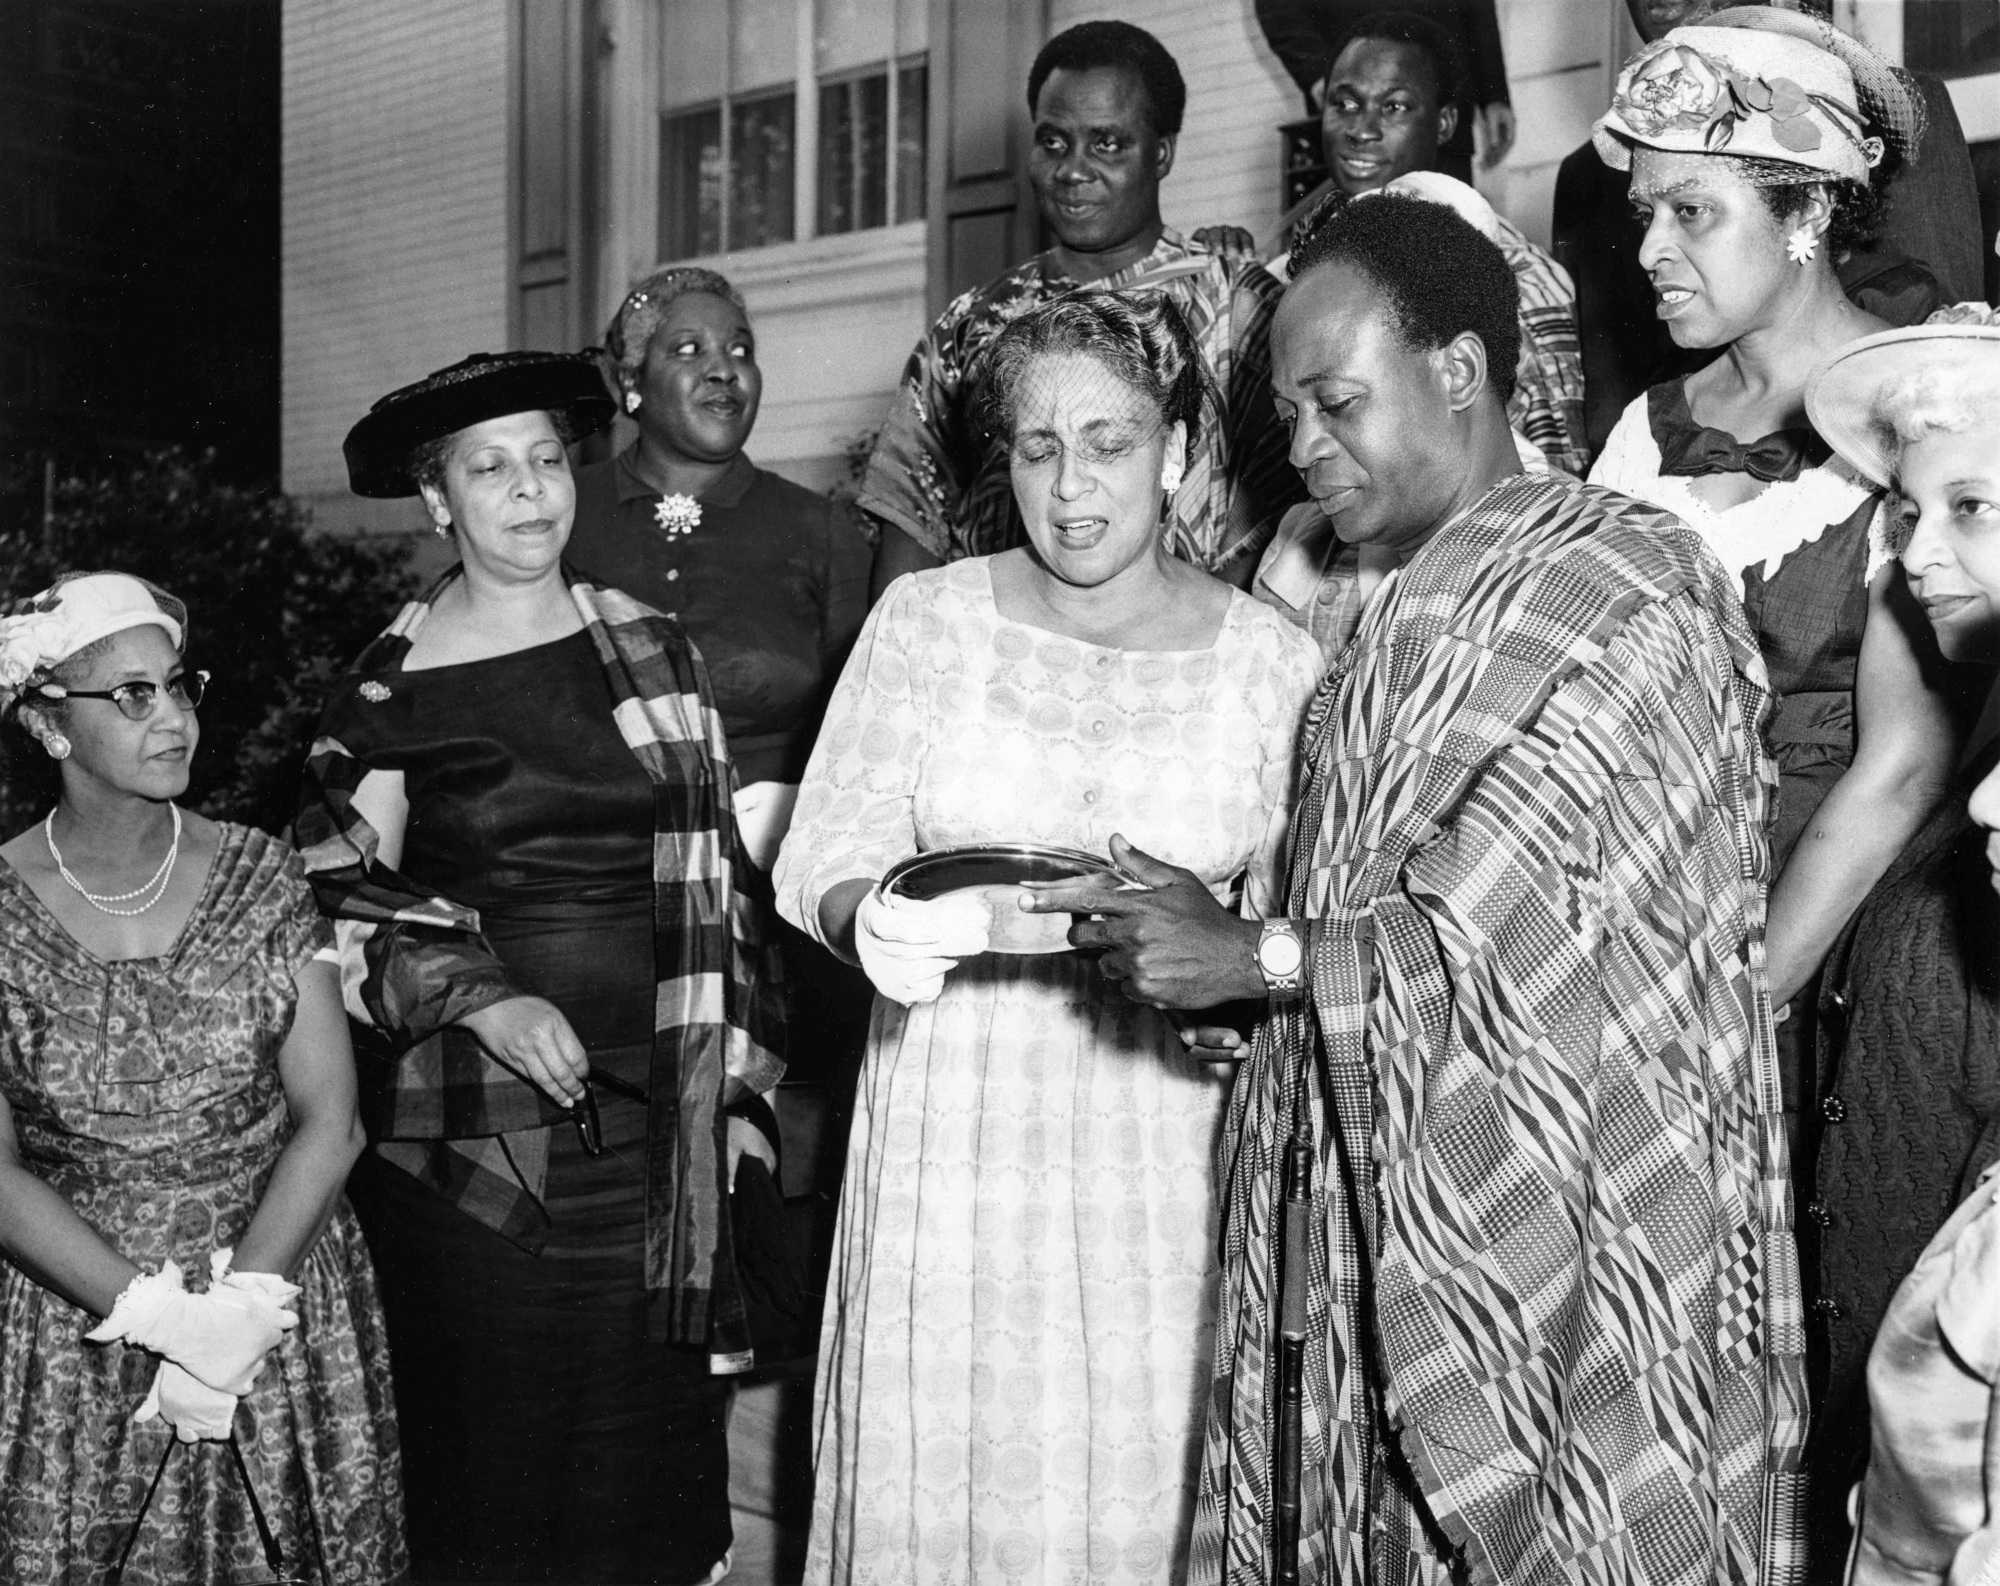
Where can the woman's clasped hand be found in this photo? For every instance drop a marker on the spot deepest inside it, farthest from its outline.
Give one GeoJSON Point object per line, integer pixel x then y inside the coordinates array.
{"type": "Point", "coordinates": [221, 1335]}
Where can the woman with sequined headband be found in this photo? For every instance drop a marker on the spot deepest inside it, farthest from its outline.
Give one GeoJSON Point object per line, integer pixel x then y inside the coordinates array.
{"type": "Point", "coordinates": [177, 1117]}
{"type": "Point", "coordinates": [1757, 142]}
{"type": "Point", "coordinates": [769, 579]}
{"type": "Point", "coordinates": [517, 813]}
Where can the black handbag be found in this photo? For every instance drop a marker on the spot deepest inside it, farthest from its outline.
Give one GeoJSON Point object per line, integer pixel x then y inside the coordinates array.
{"type": "Point", "coordinates": [274, 1557]}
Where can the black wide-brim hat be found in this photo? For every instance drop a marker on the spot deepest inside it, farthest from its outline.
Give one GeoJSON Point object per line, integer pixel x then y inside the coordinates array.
{"type": "Point", "coordinates": [488, 385]}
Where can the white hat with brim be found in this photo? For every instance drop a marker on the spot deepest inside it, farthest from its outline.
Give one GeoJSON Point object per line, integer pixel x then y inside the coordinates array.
{"type": "Point", "coordinates": [74, 614]}
{"type": "Point", "coordinates": [1844, 395]}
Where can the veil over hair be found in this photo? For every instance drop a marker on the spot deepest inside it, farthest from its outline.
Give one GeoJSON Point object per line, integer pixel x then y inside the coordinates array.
{"type": "Point", "coordinates": [1138, 338]}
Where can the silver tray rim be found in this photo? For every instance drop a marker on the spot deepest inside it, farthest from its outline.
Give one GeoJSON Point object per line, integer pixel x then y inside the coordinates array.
{"type": "Point", "coordinates": [1088, 863]}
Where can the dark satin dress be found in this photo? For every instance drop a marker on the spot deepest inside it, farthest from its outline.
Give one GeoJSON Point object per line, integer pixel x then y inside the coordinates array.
{"type": "Point", "coordinates": [1891, 1056]}
{"type": "Point", "coordinates": [549, 1433]}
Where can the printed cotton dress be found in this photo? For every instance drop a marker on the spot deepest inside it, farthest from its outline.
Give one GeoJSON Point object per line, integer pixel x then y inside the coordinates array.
{"type": "Point", "coordinates": [146, 1091]}
{"type": "Point", "coordinates": [1014, 1368]}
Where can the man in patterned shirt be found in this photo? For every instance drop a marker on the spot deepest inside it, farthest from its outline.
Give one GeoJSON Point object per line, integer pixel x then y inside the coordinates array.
{"type": "Point", "coordinates": [1513, 1100]}
{"type": "Point", "coordinates": [1391, 100]}
{"type": "Point", "coordinates": [1107, 101]}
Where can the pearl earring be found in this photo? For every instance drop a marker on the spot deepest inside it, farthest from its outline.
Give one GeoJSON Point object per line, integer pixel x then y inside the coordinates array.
{"type": "Point", "coordinates": [1802, 246]}
{"type": "Point", "coordinates": [631, 402]}
{"type": "Point", "coordinates": [57, 745]}
{"type": "Point", "coordinates": [1170, 479]}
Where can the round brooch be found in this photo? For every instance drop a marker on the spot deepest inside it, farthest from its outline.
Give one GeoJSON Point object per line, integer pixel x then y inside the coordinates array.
{"type": "Point", "coordinates": [374, 692]}
{"type": "Point", "coordinates": [677, 514]}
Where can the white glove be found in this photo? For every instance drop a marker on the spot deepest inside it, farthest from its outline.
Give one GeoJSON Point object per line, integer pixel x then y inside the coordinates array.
{"type": "Point", "coordinates": [190, 1406]}
{"type": "Point", "coordinates": [908, 945]}
{"type": "Point", "coordinates": [267, 1287]}
{"type": "Point", "coordinates": [221, 1336]}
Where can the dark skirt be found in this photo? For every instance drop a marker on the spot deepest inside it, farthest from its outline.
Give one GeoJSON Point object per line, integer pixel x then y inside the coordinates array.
{"type": "Point", "coordinates": [549, 1431]}
{"type": "Point", "coordinates": [1901, 1118]}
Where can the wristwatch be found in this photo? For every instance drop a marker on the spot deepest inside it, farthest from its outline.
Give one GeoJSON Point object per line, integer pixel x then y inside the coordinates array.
{"type": "Point", "coordinates": [1280, 958]}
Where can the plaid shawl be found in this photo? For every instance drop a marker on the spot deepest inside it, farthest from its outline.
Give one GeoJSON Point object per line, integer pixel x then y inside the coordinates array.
{"type": "Point", "coordinates": [1557, 1332]}
{"type": "Point", "coordinates": [415, 963]}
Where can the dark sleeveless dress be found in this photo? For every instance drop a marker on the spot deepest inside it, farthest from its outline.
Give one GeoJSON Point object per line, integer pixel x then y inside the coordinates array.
{"type": "Point", "coordinates": [1891, 1056]}
{"type": "Point", "coordinates": [549, 1433]}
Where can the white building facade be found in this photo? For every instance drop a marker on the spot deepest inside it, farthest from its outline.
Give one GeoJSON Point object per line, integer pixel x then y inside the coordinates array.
{"type": "Point", "coordinates": [473, 175]}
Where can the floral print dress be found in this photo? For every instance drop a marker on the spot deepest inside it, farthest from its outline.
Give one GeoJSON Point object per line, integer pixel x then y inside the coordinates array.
{"type": "Point", "coordinates": [146, 1092]}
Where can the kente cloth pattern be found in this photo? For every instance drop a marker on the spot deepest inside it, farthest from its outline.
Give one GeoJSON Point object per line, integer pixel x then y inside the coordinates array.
{"type": "Point", "coordinates": [1547, 405]}
{"type": "Point", "coordinates": [415, 962]}
{"type": "Point", "coordinates": [1554, 1311]}
{"type": "Point", "coordinates": [936, 476]}
{"type": "Point", "coordinates": [146, 1092]}
{"type": "Point", "coordinates": [1016, 1351]}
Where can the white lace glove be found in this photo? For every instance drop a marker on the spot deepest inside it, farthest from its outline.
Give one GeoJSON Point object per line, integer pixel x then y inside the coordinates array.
{"type": "Point", "coordinates": [190, 1406]}
{"type": "Point", "coordinates": [907, 945]}
{"type": "Point", "coordinates": [221, 1336]}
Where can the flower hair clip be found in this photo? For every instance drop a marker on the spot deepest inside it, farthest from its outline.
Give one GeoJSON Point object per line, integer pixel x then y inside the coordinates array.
{"type": "Point", "coordinates": [27, 640]}
{"type": "Point", "coordinates": [678, 514]}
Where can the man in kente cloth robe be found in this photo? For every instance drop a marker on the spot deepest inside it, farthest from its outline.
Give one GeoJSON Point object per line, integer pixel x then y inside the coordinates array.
{"type": "Point", "coordinates": [1517, 1007]}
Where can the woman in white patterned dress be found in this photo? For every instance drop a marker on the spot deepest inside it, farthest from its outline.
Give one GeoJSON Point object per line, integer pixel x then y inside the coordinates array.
{"type": "Point", "coordinates": [1011, 1384]}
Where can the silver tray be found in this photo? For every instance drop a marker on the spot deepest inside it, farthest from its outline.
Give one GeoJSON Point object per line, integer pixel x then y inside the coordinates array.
{"type": "Point", "coordinates": [997, 869]}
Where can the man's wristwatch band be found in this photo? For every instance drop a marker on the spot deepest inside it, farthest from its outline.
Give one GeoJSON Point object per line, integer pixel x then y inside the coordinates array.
{"type": "Point", "coordinates": [1281, 959]}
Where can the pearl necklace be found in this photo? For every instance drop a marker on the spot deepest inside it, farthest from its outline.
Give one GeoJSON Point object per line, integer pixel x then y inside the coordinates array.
{"type": "Point", "coordinates": [105, 902]}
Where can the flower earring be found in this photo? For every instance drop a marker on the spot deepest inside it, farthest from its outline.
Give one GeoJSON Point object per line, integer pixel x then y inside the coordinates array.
{"type": "Point", "coordinates": [631, 402]}
{"type": "Point", "coordinates": [57, 745]}
{"type": "Point", "coordinates": [1802, 246]}
{"type": "Point", "coordinates": [1170, 478]}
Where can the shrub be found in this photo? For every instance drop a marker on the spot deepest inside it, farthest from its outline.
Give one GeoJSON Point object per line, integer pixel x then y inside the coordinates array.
{"type": "Point", "coordinates": [275, 612]}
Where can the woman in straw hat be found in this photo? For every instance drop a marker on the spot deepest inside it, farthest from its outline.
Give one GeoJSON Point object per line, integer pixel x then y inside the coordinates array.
{"type": "Point", "coordinates": [1757, 142]}
{"type": "Point", "coordinates": [518, 812]}
{"type": "Point", "coordinates": [177, 1117]}
{"type": "Point", "coordinates": [1918, 411]}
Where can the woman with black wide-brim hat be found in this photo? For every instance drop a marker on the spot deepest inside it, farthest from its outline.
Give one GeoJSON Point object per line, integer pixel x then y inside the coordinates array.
{"type": "Point", "coordinates": [518, 813]}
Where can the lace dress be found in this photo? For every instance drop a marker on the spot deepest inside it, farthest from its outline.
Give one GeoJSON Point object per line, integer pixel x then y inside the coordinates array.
{"type": "Point", "coordinates": [1011, 1384]}
{"type": "Point", "coordinates": [146, 1091]}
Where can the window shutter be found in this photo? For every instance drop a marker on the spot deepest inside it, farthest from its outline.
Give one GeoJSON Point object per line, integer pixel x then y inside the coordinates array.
{"type": "Point", "coordinates": [554, 166]}
{"type": "Point", "coordinates": [983, 213]}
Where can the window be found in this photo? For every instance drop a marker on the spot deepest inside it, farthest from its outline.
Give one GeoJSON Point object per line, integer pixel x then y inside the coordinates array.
{"type": "Point", "coordinates": [753, 151]}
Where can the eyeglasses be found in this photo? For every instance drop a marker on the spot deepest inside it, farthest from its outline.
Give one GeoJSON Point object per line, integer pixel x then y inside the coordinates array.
{"type": "Point", "coordinates": [137, 701]}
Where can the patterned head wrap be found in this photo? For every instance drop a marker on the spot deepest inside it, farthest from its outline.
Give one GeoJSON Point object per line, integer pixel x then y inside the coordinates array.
{"type": "Point", "coordinates": [73, 613]}
{"type": "Point", "coordinates": [631, 328]}
{"type": "Point", "coordinates": [1791, 95]}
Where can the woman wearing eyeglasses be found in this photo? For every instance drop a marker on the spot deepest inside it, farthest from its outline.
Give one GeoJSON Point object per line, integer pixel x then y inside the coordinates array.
{"type": "Point", "coordinates": [177, 1117]}
{"type": "Point", "coordinates": [518, 810]}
